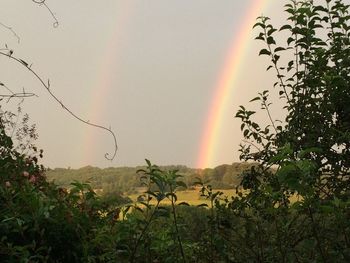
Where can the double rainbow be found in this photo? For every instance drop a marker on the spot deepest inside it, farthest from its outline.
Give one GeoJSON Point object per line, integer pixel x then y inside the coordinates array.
{"type": "Point", "coordinates": [222, 90]}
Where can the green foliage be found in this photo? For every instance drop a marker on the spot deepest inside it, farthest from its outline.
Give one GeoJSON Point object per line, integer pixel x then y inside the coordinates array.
{"type": "Point", "coordinates": [39, 221]}
{"type": "Point", "coordinates": [305, 156]}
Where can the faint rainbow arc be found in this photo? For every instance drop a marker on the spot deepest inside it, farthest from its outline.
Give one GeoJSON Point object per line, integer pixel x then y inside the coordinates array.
{"type": "Point", "coordinates": [104, 77]}
{"type": "Point", "coordinates": [225, 84]}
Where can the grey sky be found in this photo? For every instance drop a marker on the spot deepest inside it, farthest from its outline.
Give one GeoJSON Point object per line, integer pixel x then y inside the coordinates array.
{"type": "Point", "coordinates": [148, 69]}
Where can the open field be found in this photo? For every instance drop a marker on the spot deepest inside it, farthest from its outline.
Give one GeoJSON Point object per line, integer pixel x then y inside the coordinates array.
{"type": "Point", "coordinates": [192, 197]}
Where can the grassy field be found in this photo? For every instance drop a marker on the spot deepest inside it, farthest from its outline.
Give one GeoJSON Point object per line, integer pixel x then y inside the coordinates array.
{"type": "Point", "coordinates": [193, 197]}
{"type": "Point", "coordinates": [190, 196]}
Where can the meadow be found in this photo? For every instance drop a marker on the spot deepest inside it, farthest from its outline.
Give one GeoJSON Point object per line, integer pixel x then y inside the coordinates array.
{"type": "Point", "coordinates": [192, 197]}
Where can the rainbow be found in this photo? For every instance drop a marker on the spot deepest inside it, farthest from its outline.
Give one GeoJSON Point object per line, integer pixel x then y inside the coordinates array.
{"type": "Point", "coordinates": [226, 83]}
{"type": "Point", "coordinates": [123, 14]}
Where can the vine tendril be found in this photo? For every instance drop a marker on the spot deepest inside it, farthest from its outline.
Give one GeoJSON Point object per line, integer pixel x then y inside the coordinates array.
{"type": "Point", "coordinates": [47, 85]}
{"type": "Point", "coordinates": [43, 2]}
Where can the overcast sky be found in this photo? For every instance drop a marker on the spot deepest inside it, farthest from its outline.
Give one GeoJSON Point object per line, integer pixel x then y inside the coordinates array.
{"type": "Point", "coordinates": [147, 68]}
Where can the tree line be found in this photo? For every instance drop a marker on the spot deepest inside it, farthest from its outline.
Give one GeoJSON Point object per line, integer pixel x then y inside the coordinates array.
{"type": "Point", "coordinates": [126, 180]}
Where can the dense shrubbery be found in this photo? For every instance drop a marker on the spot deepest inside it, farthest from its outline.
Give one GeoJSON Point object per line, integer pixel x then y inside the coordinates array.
{"type": "Point", "coordinates": [40, 221]}
{"type": "Point", "coordinates": [293, 204]}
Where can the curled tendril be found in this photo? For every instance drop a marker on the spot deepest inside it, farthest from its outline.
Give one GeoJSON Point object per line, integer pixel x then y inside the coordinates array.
{"type": "Point", "coordinates": [55, 23]}
{"type": "Point", "coordinates": [43, 2]}
{"type": "Point", "coordinates": [47, 85]}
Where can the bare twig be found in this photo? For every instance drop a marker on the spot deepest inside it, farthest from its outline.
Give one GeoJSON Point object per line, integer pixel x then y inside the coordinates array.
{"type": "Point", "coordinates": [7, 88]}
{"type": "Point", "coordinates": [16, 95]}
{"type": "Point", "coordinates": [11, 29]}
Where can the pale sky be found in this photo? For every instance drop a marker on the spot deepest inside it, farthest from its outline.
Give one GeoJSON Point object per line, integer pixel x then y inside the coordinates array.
{"type": "Point", "coordinates": [147, 68]}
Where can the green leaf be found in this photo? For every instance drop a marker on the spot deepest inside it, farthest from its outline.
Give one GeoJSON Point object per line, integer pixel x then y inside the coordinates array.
{"type": "Point", "coordinates": [285, 27]}
{"type": "Point", "coordinates": [259, 24]}
{"type": "Point", "coordinates": [278, 49]}
{"type": "Point", "coordinates": [270, 40]}
{"type": "Point", "coordinates": [171, 196]}
{"type": "Point", "coordinates": [290, 40]}
{"type": "Point", "coordinates": [256, 98]}
{"type": "Point", "coordinates": [264, 52]}
{"type": "Point", "coordinates": [271, 31]}
{"type": "Point", "coordinates": [245, 133]}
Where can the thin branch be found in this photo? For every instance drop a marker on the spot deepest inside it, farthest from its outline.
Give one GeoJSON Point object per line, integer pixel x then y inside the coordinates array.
{"type": "Point", "coordinates": [11, 29]}
{"type": "Point", "coordinates": [8, 89]}
{"type": "Point", "coordinates": [266, 106]}
{"type": "Point", "coordinates": [17, 95]}
{"type": "Point", "coordinates": [252, 144]}
{"type": "Point", "coordinates": [47, 87]}
{"type": "Point", "coordinates": [274, 61]}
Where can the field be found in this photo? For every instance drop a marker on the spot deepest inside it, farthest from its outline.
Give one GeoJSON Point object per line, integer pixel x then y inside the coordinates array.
{"type": "Point", "coordinates": [192, 197]}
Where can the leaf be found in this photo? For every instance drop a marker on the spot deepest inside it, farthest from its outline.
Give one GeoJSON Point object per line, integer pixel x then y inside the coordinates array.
{"type": "Point", "coordinates": [24, 63]}
{"type": "Point", "coordinates": [278, 49]}
{"type": "Point", "coordinates": [145, 204]}
{"type": "Point", "coordinates": [171, 196]}
{"type": "Point", "coordinates": [245, 133]}
{"type": "Point", "coordinates": [290, 40]}
{"type": "Point", "coordinates": [259, 24]}
{"type": "Point", "coordinates": [148, 162]}
{"type": "Point", "coordinates": [264, 52]}
{"type": "Point", "coordinates": [271, 31]}
{"type": "Point", "coordinates": [255, 126]}
{"type": "Point", "coordinates": [285, 27]}
{"type": "Point", "coordinates": [270, 40]}
{"type": "Point", "coordinates": [290, 11]}
{"type": "Point", "coordinates": [256, 98]}
{"type": "Point", "coordinates": [276, 58]}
